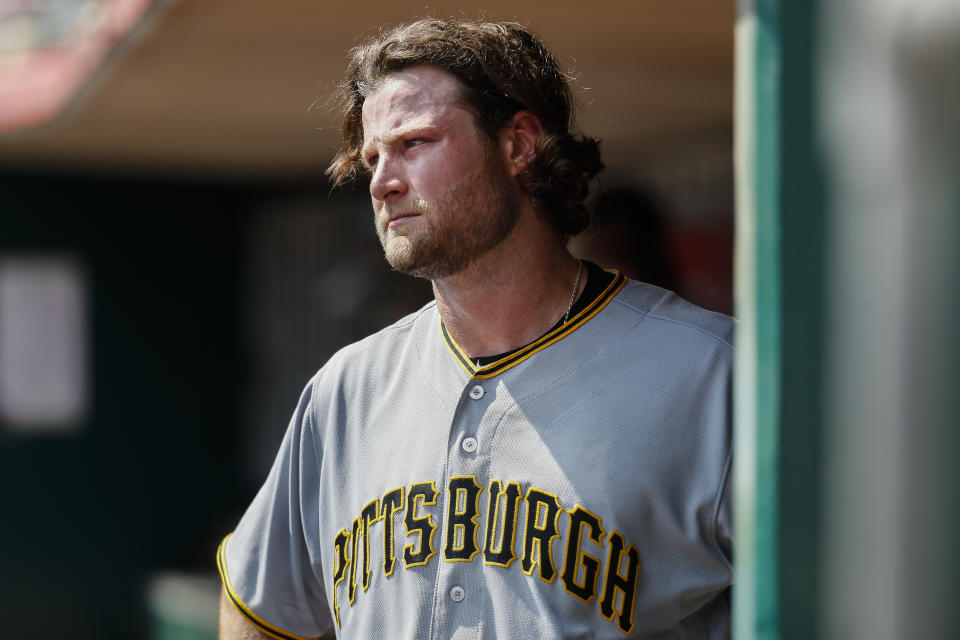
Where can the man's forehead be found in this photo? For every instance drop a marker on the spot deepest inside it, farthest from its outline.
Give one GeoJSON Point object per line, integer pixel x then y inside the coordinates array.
{"type": "Point", "coordinates": [416, 96]}
{"type": "Point", "coordinates": [422, 80]}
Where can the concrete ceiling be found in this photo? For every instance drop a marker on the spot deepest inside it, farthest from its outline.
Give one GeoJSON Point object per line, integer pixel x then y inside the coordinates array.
{"type": "Point", "coordinates": [240, 87]}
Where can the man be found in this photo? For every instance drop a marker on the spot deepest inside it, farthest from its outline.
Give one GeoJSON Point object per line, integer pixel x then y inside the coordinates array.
{"type": "Point", "coordinates": [541, 452]}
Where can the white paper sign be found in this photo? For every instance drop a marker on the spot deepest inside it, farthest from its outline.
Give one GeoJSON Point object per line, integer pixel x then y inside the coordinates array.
{"type": "Point", "coordinates": [44, 343]}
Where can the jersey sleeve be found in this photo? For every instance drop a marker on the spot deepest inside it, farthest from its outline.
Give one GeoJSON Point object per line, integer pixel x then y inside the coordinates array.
{"type": "Point", "coordinates": [268, 570]}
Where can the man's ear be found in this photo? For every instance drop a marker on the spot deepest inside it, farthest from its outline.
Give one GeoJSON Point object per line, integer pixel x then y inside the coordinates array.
{"type": "Point", "coordinates": [518, 140]}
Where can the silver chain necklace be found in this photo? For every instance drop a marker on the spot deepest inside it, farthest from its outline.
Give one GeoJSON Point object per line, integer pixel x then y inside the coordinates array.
{"type": "Point", "coordinates": [573, 294]}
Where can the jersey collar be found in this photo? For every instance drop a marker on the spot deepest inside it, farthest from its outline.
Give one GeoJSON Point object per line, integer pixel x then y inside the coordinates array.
{"type": "Point", "coordinates": [516, 357]}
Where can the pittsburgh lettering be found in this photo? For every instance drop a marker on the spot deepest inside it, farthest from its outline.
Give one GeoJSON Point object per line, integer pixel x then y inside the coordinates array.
{"type": "Point", "coordinates": [609, 576]}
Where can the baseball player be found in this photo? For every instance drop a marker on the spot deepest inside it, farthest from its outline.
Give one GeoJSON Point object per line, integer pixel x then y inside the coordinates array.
{"type": "Point", "coordinates": [543, 451]}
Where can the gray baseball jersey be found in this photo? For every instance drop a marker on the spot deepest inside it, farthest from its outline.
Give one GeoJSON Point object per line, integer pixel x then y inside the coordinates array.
{"type": "Point", "coordinates": [578, 488]}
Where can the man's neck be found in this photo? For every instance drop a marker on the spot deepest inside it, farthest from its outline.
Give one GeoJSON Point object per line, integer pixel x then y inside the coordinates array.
{"type": "Point", "coordinates": [509, 296]}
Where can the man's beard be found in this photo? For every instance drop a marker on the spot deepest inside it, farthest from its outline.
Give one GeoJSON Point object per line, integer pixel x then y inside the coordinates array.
{"type": "Point", "coordinates": [468, 219]}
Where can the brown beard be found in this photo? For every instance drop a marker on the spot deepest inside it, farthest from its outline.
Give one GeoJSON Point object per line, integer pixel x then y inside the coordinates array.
{"type": "Point", "coordinates": [471, 217]}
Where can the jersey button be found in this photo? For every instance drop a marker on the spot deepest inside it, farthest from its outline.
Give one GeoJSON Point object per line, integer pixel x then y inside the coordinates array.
{"type": "Point", "coordinates": [469, 445]}
{"type": "Point", "coordinates": [476, 392]}
{"type": "Point", "coordinates": [457, 594]}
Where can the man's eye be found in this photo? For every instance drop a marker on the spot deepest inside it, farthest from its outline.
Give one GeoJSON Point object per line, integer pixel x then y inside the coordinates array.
{"type": "Point", "coordinates": [372, 161]}
{"type": "Point", "coordinates": [414, 142]}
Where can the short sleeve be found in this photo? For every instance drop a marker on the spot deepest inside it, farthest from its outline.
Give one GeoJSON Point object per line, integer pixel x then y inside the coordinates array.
{"type": "Point", "coordinates": [266, 564]}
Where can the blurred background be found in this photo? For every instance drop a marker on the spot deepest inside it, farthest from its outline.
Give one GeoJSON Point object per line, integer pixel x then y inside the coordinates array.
{"type": "Point", "coordinates": [174, 266]}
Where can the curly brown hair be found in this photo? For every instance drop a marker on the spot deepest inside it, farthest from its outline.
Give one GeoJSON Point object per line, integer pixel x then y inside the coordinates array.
{"type": "Point", "coordinates": [502, 68]}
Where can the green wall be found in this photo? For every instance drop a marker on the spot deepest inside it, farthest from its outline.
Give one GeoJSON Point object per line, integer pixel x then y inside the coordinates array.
{"type": "Point", "coordinates": [148, 481]}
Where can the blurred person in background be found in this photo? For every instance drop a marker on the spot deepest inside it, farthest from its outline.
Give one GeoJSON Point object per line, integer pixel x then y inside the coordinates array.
{"type": "Point", "coordinates": [628, 233]}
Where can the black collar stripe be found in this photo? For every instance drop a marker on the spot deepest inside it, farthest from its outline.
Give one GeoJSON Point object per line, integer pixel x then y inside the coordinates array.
{"type": "Point", "coordinates": [457, 351]}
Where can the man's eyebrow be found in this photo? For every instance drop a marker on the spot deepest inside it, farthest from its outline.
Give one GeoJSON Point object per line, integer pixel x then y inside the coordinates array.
{"type": "Point", "coordinates": [393, 135]}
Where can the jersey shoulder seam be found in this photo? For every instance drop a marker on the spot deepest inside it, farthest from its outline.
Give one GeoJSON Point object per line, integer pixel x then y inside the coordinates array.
{"type": "Point", "coordinates": [650, 314]}
{"type": "Point", "coordinates": [405, 321]}
{"type": "Point", "coordinates": [349, 353]}
{"type": "Point", "coordinates": [402, 324]}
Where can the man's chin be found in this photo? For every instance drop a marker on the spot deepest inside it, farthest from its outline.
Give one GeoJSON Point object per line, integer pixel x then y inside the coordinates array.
{"type": "Point", "coordinates": [412, 267]}
{"type": "Point", "coordinates": [404, 260]}
{"type": "Point", "coordinates": [400, 254]}
{"type": "Point", "coordinates": [423, 260]}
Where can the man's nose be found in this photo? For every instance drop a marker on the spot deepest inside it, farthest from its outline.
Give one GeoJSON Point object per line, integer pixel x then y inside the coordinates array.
{"type": "Point", "coordinates": [387, 181]}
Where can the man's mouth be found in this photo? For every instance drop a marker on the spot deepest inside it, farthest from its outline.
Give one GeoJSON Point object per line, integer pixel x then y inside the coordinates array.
{"type": "Point", "coordinates": [399, 219]}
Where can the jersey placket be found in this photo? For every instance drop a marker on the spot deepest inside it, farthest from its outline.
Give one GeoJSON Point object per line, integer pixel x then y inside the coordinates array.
{"type": "Point", "coordinates": [459, 600]}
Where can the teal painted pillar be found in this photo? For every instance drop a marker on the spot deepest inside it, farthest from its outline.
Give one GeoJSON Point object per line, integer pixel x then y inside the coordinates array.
{"type": "Point", "coordinates": [780, 271]}
{"type": "Point", "coordinates": [757, 306]}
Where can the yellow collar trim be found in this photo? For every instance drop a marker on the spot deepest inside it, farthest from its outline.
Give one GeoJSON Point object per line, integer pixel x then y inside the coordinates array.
{"type": "Point", "coordinates": [518, 356]}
